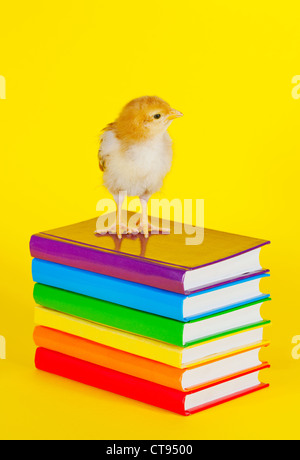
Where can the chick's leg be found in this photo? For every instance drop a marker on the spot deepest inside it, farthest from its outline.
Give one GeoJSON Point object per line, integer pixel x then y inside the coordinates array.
{"type": "Point", "coordinates": [118, 227]}
{"type": "Point", "coordinates": [145, 225]}
{"type": "Point", "coordinates": [122, 227]}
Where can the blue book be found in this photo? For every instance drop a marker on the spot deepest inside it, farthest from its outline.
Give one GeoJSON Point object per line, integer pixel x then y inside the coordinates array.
{"type": "Point", "coordinates": [160, 302]}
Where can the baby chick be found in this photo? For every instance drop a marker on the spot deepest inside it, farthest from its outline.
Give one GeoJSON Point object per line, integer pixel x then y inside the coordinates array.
{"type": "Point", "coordinates": [135, 155]}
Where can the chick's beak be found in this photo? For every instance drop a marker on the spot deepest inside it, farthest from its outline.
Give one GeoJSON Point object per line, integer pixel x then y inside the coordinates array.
{"type": "Point", "coordinates": [174, 114]}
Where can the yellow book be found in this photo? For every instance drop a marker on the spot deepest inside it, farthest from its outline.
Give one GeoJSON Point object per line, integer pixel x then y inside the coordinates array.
{"type": "Point", "coordinates": [180, 357]}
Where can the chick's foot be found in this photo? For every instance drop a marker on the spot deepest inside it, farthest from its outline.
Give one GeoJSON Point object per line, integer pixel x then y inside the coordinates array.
{"type": "Point", "coordinates": [119, 229]}
{"type": "Point", "coordinates": [146, 228]}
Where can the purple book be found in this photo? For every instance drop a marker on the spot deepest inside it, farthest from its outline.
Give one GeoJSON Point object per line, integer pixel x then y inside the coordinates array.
{"type": "Point", "coordinates": [164, 261]}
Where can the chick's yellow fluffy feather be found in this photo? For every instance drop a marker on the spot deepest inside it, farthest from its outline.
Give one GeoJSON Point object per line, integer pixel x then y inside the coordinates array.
{"type": "Point", "coordinates": [136, 151]}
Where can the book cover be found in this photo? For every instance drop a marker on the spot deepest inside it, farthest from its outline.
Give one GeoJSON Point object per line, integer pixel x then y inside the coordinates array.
{"type": "Point", "coordinates": [148, 348]}
{"type": "Point", "coordinates": [161, 261]}
{"type": "Point", "coordinates": [131, 320]}
{"type": "Point", "coordinates": [133, 387]}
{"type": "Point", "coordinates": [121, 361]}
{"type": "Point", "coordinates": [141, 297]}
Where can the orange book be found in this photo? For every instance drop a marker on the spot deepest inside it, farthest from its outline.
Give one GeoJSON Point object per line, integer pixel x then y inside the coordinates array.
{"type": "Point", "coordinates": [220, 368]}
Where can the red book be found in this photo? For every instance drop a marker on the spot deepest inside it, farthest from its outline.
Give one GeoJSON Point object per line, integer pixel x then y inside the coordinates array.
{"type": "Point", "coordinates": [184, 403]}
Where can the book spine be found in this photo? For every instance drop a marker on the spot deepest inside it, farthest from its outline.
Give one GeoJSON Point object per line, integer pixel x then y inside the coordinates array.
{"type": "Point", "coordinates": [121, 292]}
{"type": "Point", "coordinates": [110, 380]}
{"type": "Point", "coordinates": [130, 343]}
{"type": "Point", "coordinates": [112, 358]}
{"type": "Point", "coordinates": [112, 315]}
{"type": "Point", "coordinates": [144, 271]}
{"type": "Point", "coordinates": [129, 386]}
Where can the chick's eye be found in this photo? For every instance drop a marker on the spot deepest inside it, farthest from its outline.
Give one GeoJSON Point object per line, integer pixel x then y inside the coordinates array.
{"type": "Point", "coordinates": [156, 116]}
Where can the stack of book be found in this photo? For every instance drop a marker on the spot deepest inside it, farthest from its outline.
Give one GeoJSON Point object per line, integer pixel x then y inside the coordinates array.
{"type": "Point", "coordinates": [173, 325]}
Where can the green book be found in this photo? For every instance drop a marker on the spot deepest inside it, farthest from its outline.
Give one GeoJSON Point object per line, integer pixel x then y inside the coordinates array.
{"type": "Point", "coordinates": [149, 325]}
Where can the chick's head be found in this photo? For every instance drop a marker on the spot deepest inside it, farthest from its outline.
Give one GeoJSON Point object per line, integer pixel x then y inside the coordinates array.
{"type": "Point", "coordinates": [145, 117]}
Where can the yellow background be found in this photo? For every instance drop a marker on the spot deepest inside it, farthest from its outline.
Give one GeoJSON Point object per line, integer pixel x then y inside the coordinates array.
{"type": "Point", "coordinates": [69, 67]}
